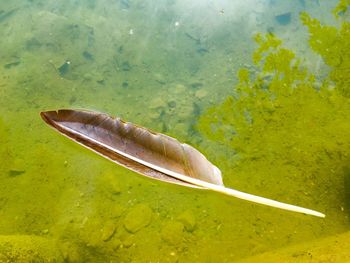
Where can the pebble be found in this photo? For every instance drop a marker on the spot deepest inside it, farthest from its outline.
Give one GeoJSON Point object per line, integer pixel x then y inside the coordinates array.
{"type": "Point", "coordinates": [108, 230]}
{"type": "Point", "coordinates": [111, 183]}
{"type": "Point", "coordinates": [139, 217]}
{"type": "Point", "coordinates": [129, 241]}
{"type": "Point", "coordinates": [184, 111]}
{"type": "Point", "coordinates": [159, 78]}
{"type": "Point", "coordinates": [179, 88]}
{"type": "Point", "coordinates": [172, 232]}
{"type": "Point", "coordinates": [157, 103]}
{"type": "Point", "coordinates": [70, 253]}
{"type": "Point", "coordinates": [116, 210]}
{"type": "Point", "coordinates": [200, 94]}
{"type": "Point", "coordinates": [188, 219]}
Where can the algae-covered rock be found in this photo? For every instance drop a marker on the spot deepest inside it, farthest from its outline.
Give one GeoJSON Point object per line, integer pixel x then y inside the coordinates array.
{"type": "Point", "coordinates": [188, 219]}
{"type": "Point", "coordinates": [329, 249]}
{"type": "Point", "coordinates": [128, 241]}
{"type": "Point", "coordinates": [139, 216]}
{"type": "Point", "coordinates": [156, 103]}
{"type": "Point", "coordinates": [200, 94]}
{"type": "Point", "coordinates": [172, 232]}
{"type": "Point", "coordinates": [71, 252]}
{"type": "Point", "coordinates": [91, 233]}
{"type": "Point", "coordinates": [25, 248]}
{"type": "Point", "coordinates": [110, 183]}
{"type": "Point", "coordinates": [108, 230]}
{"type": "Point", "coordinates": [116, 210]}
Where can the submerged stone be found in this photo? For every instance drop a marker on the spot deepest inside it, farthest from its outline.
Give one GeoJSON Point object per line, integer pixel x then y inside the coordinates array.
{"type": "Point", "coordinates": [284, 19]}
{"type": "Point", "coordinates": [108, 230]}
{"type": "Point", "coordinates": [14, 173]}
{"type": "Point", "coordinates": [172, 233]}
{"type": "Point", "coordinates": [28, 248]}
{"type": "Point", "coordinates": [139, 217]}
{"type": "Point", "coordinates": [88, 56]}
{"type": "Point", "coordinates": [126, 66]}
{"type": "Point", "coordinates": [64, 68]}
{"type": "Point", "coordinates": [188, 219]}
{"type": "Point", "coordinates": [201, 93]}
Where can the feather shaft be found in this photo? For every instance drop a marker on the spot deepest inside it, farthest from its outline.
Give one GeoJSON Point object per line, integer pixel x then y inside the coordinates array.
{"type": "Point", "coordinates": [148, 153]}
{"type": "Point", "coordinates": [218, 188]}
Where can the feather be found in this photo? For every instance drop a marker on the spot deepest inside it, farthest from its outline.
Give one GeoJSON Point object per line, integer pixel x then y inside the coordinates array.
{"type": "Point", "coordinates": [148, 153]}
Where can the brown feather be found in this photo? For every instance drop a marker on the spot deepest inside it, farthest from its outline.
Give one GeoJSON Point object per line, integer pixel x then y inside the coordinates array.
{"type": "Point", "coordinates": [149, 153]}
{"type": "Point", "coordinates": [96, 130]}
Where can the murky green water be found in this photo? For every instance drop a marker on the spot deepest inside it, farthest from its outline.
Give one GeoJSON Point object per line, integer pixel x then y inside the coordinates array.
{"type": "Point", "coordinates": [160, 64]}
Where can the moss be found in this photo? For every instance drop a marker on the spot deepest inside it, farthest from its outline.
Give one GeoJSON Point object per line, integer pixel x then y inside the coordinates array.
{"type": "Point", "coordinates": [281, 121]}
{"type": "Point", "coordinates": [330, 249]}
{"type": "Point", "coordinates": [341, 8]}
{"type": "Point", "coordinates": [25, 248]}
{"type": "Point", "coordinates": [332, 44]}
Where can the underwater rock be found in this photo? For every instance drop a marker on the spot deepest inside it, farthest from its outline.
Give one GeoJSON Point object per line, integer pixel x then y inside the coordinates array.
{"type": "Point", "coordinates": [129, 241]}
{"type": "Point", "coordinates": [108, 230]}
{"type": "Point", "coordinates": [180, 128]}
{"type": "Point", "coordinates": [179, 89]}
{"type": "Point", "coordinates": [184, 111]}
{"type": "Point", "coordinates": [156, 103]}
{"type": "Point", "coordinates": [110, 184]}
{"type": "Point", "coordinates": [13, 62]}
{"type": "Point", "coordinates": [17, 168]}
{"type": "Point", "coordinates": [139, 217]}
{"type": "Point", "coordinates": [172, 104]}
{"type": "Point", "coordinates": [72, 100]}
{"type": "Point", "coordinates": [188, 219]}
{"type": "Point", "coordinates": [154, 114]}
{"type": "Point", "coordinates": [99, 78]}
{"type": "Point", "coordinates": [88, 56]}
{"type": "Point", "coordinates": [196, 85]}
{"type": "Point", "coordinates": [91, 232]}
{"type": "Point", "coordinates": [14, 173]}
{"type": "Point", "coordinates": [125, 66]}
{"type": "Point", "coordinates": [329, 249]}
{"type": "Point", "coordinates": [116, 211]}
{"type": "Point", "coordinates": [124, 4]}
{"type": "Point", "coordinates": [114, 186]}
{"type": "Point", "coordinates": [284, 19]}
{"type": "Point", "coordinates": [71, 253]}
{"type": "Point", "coordinates": [88, 77]}
{"type": "Point", "coordinates": [202, 50]}
{"type": "Point", "coordinates": [33, 44]}
{"type": "Point", "coordinates": [28, 248]}
{"type": "Point", "coordinates": [172, 233]}
{"type": "Point", "coordinates": [4, 15]}
{"type": "Point", "coordinates": [64, 68]}
{"type": "Point", "coordinates": [116, 243]}
{"type": "Point", "coordinates": [201, 93]}
{"type": "Point", "coordinates": [159, 78]}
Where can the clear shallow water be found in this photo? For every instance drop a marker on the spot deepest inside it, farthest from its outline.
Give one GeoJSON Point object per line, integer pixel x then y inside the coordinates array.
{"type": "Point", "coordinates": [158, 64]}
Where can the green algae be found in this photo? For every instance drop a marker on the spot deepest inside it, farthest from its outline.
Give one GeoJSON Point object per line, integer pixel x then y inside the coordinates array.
{"type": "Point", "coordinates": [28, 248]}
{"type": "Point", "coordinates": [330, 249]}
{"type": "Point", "coordinates": [341, 8]}
{"type": "Point", "coordinates": [286, 127]}
{"type": "Point", "coordinates": [332, 44]}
